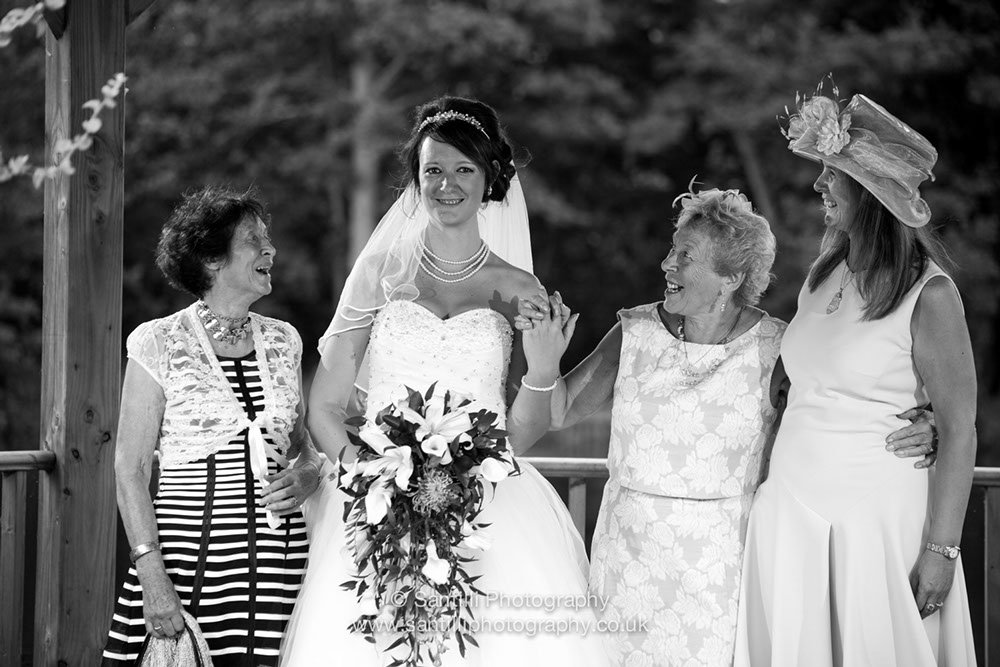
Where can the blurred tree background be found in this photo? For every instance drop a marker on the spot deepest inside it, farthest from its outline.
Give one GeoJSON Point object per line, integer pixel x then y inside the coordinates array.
{"type": "Point", "coordinates": [616, 106]}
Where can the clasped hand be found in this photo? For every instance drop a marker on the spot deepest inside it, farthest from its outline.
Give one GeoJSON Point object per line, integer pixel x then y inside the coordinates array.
{"type": "Point", "coordinates": [289, 488]}
{"type": "Point", "coordinates": [547, 325]}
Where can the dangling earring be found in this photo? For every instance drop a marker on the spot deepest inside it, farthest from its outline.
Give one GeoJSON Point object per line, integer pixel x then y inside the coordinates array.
{"type": "Point", "coordinates": [722, 308]}
{"type": "Point", "coordinates": [489, 190]}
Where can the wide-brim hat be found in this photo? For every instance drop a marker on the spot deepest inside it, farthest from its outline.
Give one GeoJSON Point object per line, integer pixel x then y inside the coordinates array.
{"type": "Point", "coordinates": [885, 155]}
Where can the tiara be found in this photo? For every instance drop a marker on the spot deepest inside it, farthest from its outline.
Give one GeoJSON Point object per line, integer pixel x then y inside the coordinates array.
{"type": "Point", "coordinates": [443, 116]}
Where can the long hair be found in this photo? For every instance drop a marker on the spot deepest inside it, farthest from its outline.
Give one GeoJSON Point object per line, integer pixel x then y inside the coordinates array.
{"type": "Point", "coordinates": [892, 257]}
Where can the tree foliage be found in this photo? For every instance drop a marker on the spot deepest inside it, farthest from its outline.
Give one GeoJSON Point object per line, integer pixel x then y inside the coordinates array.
{"type": "Point", "coordinates": [615, 106]}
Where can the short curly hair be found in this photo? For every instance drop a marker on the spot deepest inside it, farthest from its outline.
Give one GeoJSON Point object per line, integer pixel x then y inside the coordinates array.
{"type": "Point", "coordinates": [742, 241]}
{"type": "Point", "coordinates": [199, 230]}
{"type": "Point", "coordinates": [488, 147]}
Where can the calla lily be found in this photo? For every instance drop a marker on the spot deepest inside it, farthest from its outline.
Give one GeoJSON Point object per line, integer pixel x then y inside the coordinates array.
{"type": "Point", "coordinates": [494, 470]}
{"type": "Point", "coordinates": [377, 502]}
{"type": "Point", "coordinates": [436, 569]}
{"type": "Point", "coordinates": [437, 445]}
{"type": "Point", "coordinates": [475, 539]}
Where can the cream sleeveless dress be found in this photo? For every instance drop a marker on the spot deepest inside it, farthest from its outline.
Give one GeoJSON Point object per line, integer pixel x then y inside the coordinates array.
{"type": "Point", "coordinates": [839, 523]}
{"type": "Point", "coordinates": [684, 462]}
{"type": "Point", "coordinates": [536, 569]}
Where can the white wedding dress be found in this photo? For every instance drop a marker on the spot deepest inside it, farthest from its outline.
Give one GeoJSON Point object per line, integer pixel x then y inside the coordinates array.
{"type": "Point", "coordinates": [535, 572]}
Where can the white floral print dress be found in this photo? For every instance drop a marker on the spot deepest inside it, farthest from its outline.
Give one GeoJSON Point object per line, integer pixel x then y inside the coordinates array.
{"type": "Point", "coordinates": [688, 432]}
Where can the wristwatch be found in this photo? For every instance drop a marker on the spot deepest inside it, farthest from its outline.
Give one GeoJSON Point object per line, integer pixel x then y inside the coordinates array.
{"type": "Point", "coordinates": [951, 553]}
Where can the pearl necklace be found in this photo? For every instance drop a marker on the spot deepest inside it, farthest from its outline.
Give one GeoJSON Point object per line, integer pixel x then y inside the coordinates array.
{"type": "Point", "coordinates": [473, 264]}
{"type": "Point", "coordinates": [427, 251]}
{"type": "Point", "coordinates": [219, 331]}
{"type": "Point", "coordinates": [691, 375]}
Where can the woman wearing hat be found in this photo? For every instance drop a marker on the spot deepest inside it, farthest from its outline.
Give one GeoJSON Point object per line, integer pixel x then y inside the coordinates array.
{"type": "Point", "coordinates": [852, 557]}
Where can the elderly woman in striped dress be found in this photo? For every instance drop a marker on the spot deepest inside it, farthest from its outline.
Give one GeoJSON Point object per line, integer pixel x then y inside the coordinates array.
{"type": "Point", "coordinates": [218, 388]}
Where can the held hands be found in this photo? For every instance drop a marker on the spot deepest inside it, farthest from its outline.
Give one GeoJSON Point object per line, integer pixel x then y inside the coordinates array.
{"type": "Point", "coordinates": [289, 488]}
{"type": "Point", "coordinates": [931, 580]}
{"type": "Point", "coordinates": [917, 439]}
{"type": "Point", "coordinates": [547, 325]}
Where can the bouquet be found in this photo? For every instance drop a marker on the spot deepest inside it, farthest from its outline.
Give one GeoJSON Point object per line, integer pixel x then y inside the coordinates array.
{"type": "Point", "coordinates": [415, 492]}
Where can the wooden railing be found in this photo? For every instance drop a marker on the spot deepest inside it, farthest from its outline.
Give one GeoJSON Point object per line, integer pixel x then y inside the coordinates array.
{"type": "Point", "coordinates": [15, 539]}
{"type": "Point", "coordinates": [15, 470]}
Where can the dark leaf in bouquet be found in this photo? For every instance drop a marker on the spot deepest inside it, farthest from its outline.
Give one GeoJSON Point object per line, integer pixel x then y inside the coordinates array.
{"type": "Point", "coordinates": [461, 644]}
{"type": "Point", "coordinates": [429, 392]}
{"type": "Point", "coordinates": [472, 640]}
{"type": "Point", "coordinates": [349, 585]}
{"type": "Point", "coordinates": [399, 642]}
{"type": "Point", "coordinates": [355, 422]}
{"type": "Point", "coordinates": [366, 551]}
{"type": "Point", "coordinates": [517, 468]}
{"type": "Point", "coordinates": [395, 422]}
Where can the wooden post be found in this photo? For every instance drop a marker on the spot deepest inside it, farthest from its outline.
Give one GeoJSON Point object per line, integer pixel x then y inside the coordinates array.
{"type": "Point", "coordinates": [81, 353]}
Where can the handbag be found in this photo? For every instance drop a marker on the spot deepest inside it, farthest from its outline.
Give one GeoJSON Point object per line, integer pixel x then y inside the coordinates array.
{"type": "Point", "coordinates": [188, 649]}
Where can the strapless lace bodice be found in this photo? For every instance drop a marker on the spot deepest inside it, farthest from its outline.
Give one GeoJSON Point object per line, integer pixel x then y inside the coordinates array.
{"type": "Point", "coordinates": [411, 346]}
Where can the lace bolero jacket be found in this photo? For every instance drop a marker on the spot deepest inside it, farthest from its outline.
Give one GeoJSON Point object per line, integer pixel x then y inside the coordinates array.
{"type": "Point", "coordinates": [202, 413]}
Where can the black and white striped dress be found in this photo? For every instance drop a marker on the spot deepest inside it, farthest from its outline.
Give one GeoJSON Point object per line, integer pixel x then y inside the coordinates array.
{"type": "Point", "coordinates": [233, 573]}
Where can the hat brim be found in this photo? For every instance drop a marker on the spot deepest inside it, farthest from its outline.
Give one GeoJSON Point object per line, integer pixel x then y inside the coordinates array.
{"type": "Point", "coordinates": [912, 212]}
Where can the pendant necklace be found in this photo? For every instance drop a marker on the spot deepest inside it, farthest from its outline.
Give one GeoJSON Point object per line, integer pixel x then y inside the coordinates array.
{"type": "Point", "coordinates": [218, 330]}
{"type": "Point", "coordinates": [844, 282]}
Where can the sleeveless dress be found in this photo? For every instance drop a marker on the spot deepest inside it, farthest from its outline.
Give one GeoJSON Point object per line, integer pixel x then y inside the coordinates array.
{"type": "Point", "coordinates": [839, 524]}
{"type": "Point", "coordinates": [536, 568]}
{"type": "Point", "coordinates": [234, 573]}
{"type": "Point", "coordinates": [684, 461]}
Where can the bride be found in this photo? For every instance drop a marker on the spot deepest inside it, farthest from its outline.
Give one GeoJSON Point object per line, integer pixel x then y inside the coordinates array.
{"type": "Point", "coordinates": [430, 301]}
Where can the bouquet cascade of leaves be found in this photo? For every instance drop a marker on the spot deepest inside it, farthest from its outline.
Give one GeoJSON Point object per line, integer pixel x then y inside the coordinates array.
{"type": "Point", "coordinates": [415, 492]}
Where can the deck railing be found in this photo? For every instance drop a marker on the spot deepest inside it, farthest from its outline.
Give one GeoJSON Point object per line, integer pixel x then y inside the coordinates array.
{"type": "Point", "coordinates": [17, 539]}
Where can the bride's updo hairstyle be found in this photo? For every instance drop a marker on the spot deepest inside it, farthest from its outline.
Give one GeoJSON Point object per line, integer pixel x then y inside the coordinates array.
{"type": "Point", "coordinates": [470, 127]}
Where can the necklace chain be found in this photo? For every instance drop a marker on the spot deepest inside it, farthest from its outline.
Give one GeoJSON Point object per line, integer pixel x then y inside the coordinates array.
{"type": "Point", "coordinates": [220, 332]}
{"type": "Point", "coordinates": [691, 374]}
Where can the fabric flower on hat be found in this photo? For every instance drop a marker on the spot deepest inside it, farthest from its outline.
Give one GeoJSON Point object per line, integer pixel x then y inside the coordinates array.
{"type": "Point", "coordinates": [832, 134]}
{"type": "Point", "coordinates": [819, 117]}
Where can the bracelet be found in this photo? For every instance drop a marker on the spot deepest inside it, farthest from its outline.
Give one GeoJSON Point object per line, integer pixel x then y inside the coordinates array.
{"type": "Point", "coordinates": [555, 383]}
{"type": "Point", "coordinates": [140, 550]}
{"type": "Point", "coordinates": [948, 551]}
